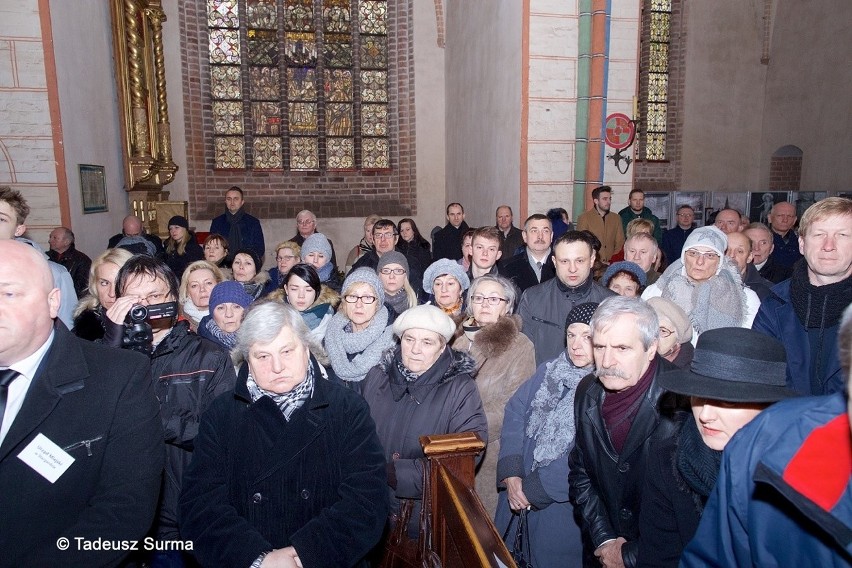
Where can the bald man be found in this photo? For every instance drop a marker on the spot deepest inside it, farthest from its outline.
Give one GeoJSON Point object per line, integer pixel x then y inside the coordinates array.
{"type": "Point", "coordinates": [81, 445]}
{"type": "Point", "coordinates": [782, 219]}
{"type": "Point", "coordinates": [135, 238]}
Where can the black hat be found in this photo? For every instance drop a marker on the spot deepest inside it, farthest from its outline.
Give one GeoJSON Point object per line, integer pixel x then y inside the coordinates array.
{"type": "Point", "coordinates": [258, 260]}
{"type": "Point", "coordinates": [180, 221]}
{"type": "Point", "coordinates": [733, 364]}
{"type": "Point", "coordinates": [581, 313]}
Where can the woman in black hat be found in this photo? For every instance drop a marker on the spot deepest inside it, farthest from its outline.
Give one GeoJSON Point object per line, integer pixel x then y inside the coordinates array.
{"type": "Point", "coordinates": [181, 246]}
{"type": "Point", "coordinates": [735, 374]}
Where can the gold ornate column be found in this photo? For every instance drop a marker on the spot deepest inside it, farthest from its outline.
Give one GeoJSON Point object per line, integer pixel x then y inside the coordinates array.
{"type": "Point", "coordinates": [141, 77]}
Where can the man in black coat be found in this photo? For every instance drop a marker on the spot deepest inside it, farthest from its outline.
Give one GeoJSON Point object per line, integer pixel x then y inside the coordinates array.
{"type": "Point", "coordinates": [81, 445]}
{"type": "Point", "coordinates": [62, 251]}
{"type": "Point", "coordinates": [511, 238]}
{"type": "Point", "coordinates": [535, 264]}
{"type": "Point", "coordinates": [447, 242]}
{"type": "Point", "coordinates": [617, 412]}
{"type": "Point", "coordinates": [762, 246]}
{"type": "Point", "coordinates": [134, 237]}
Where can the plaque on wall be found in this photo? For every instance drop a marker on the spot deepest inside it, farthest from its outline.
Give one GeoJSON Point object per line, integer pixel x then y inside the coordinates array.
{"type": "Point", "coordinates": [660, 205]}
{"type": "Point", "coordinates": [93, 188]}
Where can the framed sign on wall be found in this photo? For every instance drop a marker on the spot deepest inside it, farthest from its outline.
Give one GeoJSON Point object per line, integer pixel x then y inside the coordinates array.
{"type": "Point", "coordinates": [93, 188]}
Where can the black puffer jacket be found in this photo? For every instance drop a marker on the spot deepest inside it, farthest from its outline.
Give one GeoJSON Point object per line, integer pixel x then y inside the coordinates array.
{"type": "Point", "coordinates": [443, 400]}
{"type": "Point", "coordinates": [188, 373]}
{"type": "Point", "coordinates": [604, 486]}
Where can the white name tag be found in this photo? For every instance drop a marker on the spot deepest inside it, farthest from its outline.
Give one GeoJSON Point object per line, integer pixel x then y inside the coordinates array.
{"type": "Point", "coordinates": [46, 458]}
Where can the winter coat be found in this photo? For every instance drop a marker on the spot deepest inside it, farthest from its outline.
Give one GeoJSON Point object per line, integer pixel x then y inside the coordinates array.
{"type": "Point", "coordinates": [89, 324]}
{"type": "Point", "coordinates": [421, 251]}
{"type": "Point", "coordinates": [78, 265]}
{"type": "Point", "coordinates": [608, 230]}
{"type": "Point", "coordinates": [554, 535]}
{"type": "Point", "coordinates": [784, 493]}
{"type": "Point", "coordinates": [256, 285]}
{"type": "Point", "coordinates": [785, 249]}
{"type": "Point", "coordinates": [447, 242]}
{"type": "Point", "coordinates": [250, 231]}
{"type": "Point", "coordinates": [776, 318]}
{"type": "Point", "coordinates": [258, 482]}
{"type": "Point", "coordinates": [179, 262]}
{"type": "Point", "coordinates": [272, 284]}
{"type": "Point", "coordinates": [545, 307]}
{"type": "Point", "coordinates": [188, 373]}
{"type": "Point", "coordinates": [606, 486]}
{"type": "Point", "coordinates": [775, 272]}
{"type": "Point", "coordinates": [673, 241]}
{"type": "Point", "coordinates": [627, 214]}
{"type": "Point", "coordinates": [509, 244]}
{"type": "Point", "coordinates": [757, 283]}
{"type": "Point", "coordinates": [443, 400]}
{"type": "Point", "coordinates": [327, 297]}
{"type": "Point", "coordinates": [504, 358]}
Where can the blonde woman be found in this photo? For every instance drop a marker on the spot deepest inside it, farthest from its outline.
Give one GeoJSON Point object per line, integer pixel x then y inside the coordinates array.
{"type": "Point", "coordinates": [181, 247]}
{"type": "Point", "coordinates": [196, 285]}
{"type": "Point", "coordinates": [393, 272]}
{"type": "Point", "coordinates": [287, 255]}
{"type": "Point", "coordinates": [89, 313]}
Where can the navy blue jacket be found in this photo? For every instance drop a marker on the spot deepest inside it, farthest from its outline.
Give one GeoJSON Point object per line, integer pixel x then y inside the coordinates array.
{"type": "Point", "coordinates": [784, 494]}
{"type": "Point", "coordinates": [777, 319]}
{"type": "Point", "coordinates": [250, 231]}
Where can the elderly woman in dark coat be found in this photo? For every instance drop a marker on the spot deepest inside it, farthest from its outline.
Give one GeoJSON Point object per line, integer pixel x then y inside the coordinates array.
{"type": "Point", "coordinates": [420, 387]}
{"type": "Point", "coordinates": [538, 434]}
{"type": "Point", "coordinates": [287, 469]}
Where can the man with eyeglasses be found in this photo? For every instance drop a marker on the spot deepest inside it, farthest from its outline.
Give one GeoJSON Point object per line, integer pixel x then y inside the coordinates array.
{"type": "Point", "coordinates": [306, 225]}
{"type": "Point", "coordinates": [706, 284]}
{"type": "Point", "coordinates": [782, 219]}
{"type": "Point", "coordinates": [534, 264]}
{"type": "Point", "coordinates": [385, 239]}
{"type": "Point", "coordinates": [674, 238]}
{"type": "Point", "coordinates": [187, 371]}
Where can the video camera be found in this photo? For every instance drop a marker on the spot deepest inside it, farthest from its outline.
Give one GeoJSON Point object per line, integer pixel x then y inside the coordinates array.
{"type": "Point", "coordinates": [138, 335]}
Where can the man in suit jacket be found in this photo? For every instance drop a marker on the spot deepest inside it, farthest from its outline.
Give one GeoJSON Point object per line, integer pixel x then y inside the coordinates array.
{"type": "Point", "coordinates": [535, 264]}
{"type": "Point", "coordinates": [81, 445]}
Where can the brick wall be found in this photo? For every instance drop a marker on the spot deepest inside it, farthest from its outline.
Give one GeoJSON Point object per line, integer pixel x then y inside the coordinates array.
{"type": "Point", "coordinates": [280, 195]}
{"type": "Point", "coordinates": [785, 173]}
{"type": "Point", "coordinates": [664, 175]}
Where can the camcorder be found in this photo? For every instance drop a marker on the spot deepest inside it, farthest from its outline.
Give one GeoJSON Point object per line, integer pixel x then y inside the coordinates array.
{"type": "Point", "coordinates": [138, 335]}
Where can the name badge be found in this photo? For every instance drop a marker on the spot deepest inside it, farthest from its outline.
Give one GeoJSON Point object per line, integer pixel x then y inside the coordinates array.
{"type": "Point", "coordinates": [48, 459]}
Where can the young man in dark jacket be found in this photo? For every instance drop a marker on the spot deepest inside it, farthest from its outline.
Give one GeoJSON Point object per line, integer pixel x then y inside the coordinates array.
{"type": "Point", "coordinates": [241, 229]}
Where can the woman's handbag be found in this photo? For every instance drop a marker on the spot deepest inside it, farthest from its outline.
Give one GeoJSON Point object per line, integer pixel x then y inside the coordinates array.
{"type": "Point", "coordinates": [400, 550]}
{"type": "Point", "coordinates": [520, 550]}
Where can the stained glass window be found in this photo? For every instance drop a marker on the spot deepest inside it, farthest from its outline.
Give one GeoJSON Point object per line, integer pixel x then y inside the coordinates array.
{"type": "Point", "coordinates": [299, 84]}
{"type": "Point", "coordinates": [656, 96]}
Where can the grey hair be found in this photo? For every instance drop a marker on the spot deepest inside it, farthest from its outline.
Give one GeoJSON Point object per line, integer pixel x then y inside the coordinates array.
{"type": "Point", "coordinates": [509, 291]}
{"type": "Point", "coordinates": [262, 323]}
{"type": "Point", "coordinates": [647, 321]}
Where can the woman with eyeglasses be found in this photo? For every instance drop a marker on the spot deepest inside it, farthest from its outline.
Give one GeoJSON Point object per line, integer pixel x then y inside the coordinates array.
{"type": "Point", "coordinates": [505, 358]}
{"type": "Point", "coordinates": [359, 332]}
{"type": "Point", "coordinates": [707, 285]}
{"type": "Point", "coordinates": [393, 272]}
{"type": "Point", "coordinates": [287, 255]}
{"type": "Point", "coordinates": [446, 282]}
{"type": "Point", "coordinates": [675, 333]}
{"type": "Point", "coordinates": [316, 302]}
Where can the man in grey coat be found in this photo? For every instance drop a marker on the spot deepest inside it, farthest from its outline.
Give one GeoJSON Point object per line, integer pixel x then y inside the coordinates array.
{"type": "Point", "coordinates": [545, 307]}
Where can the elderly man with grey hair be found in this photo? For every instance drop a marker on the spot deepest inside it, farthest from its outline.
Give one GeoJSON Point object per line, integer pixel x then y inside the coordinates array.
{"type": "Point", "coordinates": [288, 469]}
{"type": "Point", "coordinates": [619, 409]}
{"type": "Point", "coordinates": [306, 225]}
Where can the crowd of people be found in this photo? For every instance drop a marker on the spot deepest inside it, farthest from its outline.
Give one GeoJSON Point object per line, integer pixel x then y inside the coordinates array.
{"type": "Point", "coordinates": [647, 397]}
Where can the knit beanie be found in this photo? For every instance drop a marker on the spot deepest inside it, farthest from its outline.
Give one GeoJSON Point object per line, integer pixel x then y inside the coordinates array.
{"type": "Point", "coordinates": [624, 266]}
{"type": "Point", "coordinates": [258, 260]}
{"type": "Point", "coordinates": [316, 243]}
{"type": "Point", "coordinates": [363, 275]}
{"type": "Point", "coordinates": [180, 221]}
{"type": "Point", "coordinates": [709, 237]}
{"type": "Point", "coordinates": [666, 309]}
{"type": "Point", "coordinates": [392, 257]}
{"type": "Point", "coordinates": [441, 267]}
{"type": "Point", "coordinates": [581, 313]}
{"type": "Point", "coordinates": [425, 317]}
{"type": "Point", "coordinates": [231, 292]}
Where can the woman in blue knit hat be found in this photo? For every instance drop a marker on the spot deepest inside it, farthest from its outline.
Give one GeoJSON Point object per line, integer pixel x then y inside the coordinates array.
{"type": "Point", "coordinates": [228, 301]}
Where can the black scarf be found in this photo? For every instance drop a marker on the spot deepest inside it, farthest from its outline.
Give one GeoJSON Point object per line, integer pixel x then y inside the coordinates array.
{"type": "Point", "coordinates": [235, 236]}
{"type": "Point", "coordinates": [696, 462]}
{"type": "Point", "coordinates": [818, 307]}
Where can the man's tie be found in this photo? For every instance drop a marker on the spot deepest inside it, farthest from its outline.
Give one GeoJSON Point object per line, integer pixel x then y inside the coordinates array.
{"type": "Point", "coordinates": [6, 378]}
{"type": "Point", "coordinates": [539, 270]}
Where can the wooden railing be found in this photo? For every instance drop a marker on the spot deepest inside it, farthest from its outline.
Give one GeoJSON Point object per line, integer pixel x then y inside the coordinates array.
{"type": "Point", "coordinates": [463, 534]}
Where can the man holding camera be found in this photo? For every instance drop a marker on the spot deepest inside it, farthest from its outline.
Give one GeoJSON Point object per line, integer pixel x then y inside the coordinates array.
{"type": "Point", "coordinates": [188, 371]}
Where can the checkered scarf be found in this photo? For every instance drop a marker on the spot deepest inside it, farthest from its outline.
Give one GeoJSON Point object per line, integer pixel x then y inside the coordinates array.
{"type": "Point", "coordinates": [287, 402]}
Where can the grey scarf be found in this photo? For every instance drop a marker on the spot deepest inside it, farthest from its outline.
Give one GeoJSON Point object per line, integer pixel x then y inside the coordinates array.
{"type": "Point", "coordinates": [287, 402]}
{"type": "Point", "coordinates": [354, 353]}
{"type": "Point", "coordinates": [551, 421]}
{"type": "Point", "coordinates": [717, 302]}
